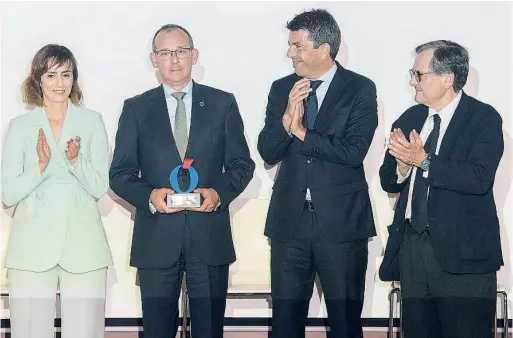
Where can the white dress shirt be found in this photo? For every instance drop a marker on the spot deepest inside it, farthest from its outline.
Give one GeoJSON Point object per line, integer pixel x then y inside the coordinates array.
{"type": "Point", "coordinates": [321, 94]}
{"type": "Point", "coordinates": [445, 117]}
{"type": "Point", "coordinates": [172, 103]}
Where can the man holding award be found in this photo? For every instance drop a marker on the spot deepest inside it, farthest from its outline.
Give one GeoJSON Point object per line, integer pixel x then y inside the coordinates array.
{"type": "Point", "coordinates": [170, 139]}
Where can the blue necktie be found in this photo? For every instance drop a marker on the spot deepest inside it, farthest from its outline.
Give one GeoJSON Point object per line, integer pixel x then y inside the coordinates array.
{"type": "Point", "coordinates": [419, 214]}
{"type": "Point", "coordinates": [311, 105]}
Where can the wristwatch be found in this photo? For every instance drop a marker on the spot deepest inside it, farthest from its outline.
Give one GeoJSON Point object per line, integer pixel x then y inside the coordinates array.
{"type": "Point", "coordinates": [289, 132]}
{"type": "Point", "coordinates": [424, 165]}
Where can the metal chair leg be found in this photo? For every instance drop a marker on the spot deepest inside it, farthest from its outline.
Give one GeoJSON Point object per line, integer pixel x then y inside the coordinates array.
{"type": "Point", "coordinates": [390, 314]}
{"type": "Point", "coordinates": [391, 301]}
{"type": "Point", "coordinates": [504, 308]}
{"type": "Point", "coordinates": [401, 333]}
{"type": "Point", "coordinates": [397, 292]}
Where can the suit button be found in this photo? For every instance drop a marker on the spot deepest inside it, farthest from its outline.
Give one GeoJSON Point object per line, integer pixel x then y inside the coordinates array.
{"type": "Point", "coordinates": [308, 161]}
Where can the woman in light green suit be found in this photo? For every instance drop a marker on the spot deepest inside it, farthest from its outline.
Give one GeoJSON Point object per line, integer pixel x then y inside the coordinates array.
{"type": "Point", "coordinates": [54, 169]}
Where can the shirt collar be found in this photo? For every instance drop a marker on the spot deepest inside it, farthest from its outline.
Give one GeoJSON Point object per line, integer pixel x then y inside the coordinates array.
{"type": "Point", "coordinates": [448, 111]}
{"type": "Point", "coordinates": [187, 89]}
{"type": "Point", "coordinates": [327, 77]}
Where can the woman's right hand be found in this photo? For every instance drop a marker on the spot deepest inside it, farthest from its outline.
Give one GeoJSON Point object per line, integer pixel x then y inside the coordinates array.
{"type": "Point", "coordinates": [43, 150]}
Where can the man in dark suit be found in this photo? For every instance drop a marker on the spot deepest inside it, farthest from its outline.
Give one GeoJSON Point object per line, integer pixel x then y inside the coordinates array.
{"type": "Point", "coordinates": [319, 123]}
{"type": "Point", "coordinates": [157, 131]}
{"type": "Point", "coordinates": [444, 243]}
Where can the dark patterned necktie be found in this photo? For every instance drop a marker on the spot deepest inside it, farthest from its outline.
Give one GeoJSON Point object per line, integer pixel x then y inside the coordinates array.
{"type": "Point", "coordinates": [311, 105]}
{"type": "Point", "coordinates": [419, 219]}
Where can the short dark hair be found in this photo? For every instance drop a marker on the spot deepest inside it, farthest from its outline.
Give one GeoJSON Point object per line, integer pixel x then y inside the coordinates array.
{"type": "Point", "coordinates": [321, 27]}
{"type": "Point", "coordinates": [47, 57]}
{"type": "Point", "coordinates": [448, 57]}
{"type": "Point", "coordinates": [169, 28]}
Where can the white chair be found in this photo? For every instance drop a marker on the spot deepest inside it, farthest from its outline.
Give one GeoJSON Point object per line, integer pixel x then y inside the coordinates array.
{"type": "Point", "coordinates": [250, 276]}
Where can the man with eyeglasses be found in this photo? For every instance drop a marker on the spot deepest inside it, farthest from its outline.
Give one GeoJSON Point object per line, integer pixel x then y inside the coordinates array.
{"type": "Point", "coordinates": [444, 244]}
{"type": "Point", "coordinates": [158, 130]}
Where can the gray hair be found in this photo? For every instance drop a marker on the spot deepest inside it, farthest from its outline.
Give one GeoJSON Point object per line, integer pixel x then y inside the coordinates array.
{"type": "Point", "coordinates": [169, 28]}
{"type": "Point", "coordinates": [448, 57]}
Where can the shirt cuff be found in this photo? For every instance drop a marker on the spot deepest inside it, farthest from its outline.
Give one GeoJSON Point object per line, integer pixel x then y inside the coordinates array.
{"type": "Point", "coordinates": [72, 167]}
{"type": "Point", "coordinates": [218, 201]}
{"type": "Point", "coordinates": [218, 204]}
{"type": "Point", "coordinates": [42, 174]}
{"type": "Point", "coordinates": [152, 207]}
{"type": "Point", "coordinates": [400, 177]}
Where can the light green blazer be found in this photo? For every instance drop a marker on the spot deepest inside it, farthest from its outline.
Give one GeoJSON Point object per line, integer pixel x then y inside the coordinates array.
{"type": "Point", "coordinates": [56, 220]}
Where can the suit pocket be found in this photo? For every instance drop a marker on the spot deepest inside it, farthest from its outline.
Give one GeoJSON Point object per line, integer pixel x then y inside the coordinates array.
{"type": "Point", "coordinates": [478, 238]}
{"type": "Point", "coordinates": [351, 187]}
{"type": "Point", "coordinates": [28, 209]}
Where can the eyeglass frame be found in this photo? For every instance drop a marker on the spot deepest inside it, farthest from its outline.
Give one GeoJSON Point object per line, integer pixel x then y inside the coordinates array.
{"type": "Point", "coordinates": [189, 49]}
{"type": "Point", "coordinates": [418, 74]}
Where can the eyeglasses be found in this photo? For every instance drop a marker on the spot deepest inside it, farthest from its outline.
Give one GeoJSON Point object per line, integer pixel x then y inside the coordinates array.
{"type": "Point", "coordinates": [418, 74]}
{"type": "Point", "coordinates": [166, 54]}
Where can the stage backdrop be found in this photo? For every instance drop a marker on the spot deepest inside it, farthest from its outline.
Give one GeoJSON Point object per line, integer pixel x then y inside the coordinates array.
{"type": "Point", "coordinates": [243, 48]}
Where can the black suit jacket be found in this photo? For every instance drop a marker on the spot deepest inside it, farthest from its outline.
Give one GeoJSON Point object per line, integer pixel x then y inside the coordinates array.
{"type": "Point", "coordinates": [329, 161]}
{"type": "Point", "coordinates": [145, 144]}
{"type": "Point", "coordinates": [462, 216]}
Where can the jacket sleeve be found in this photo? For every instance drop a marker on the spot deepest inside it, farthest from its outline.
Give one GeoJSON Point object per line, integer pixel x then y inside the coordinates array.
{"type": "Point", "coordinates": [352, 148]}
{"type": "Point", "coordinates": [238, 165]}
{"type": "Point", "coordinates": [18, 180]}
{"type": "Point", "coordinates": [93, 172]}
{"type": "Point", "coordinates": [476, 174]}
{"type": "Point", "coordinates": [124, 170]}
{"type": "Point", "coordinates": [273, 140]}
{"type": "Point", "coordinates": [388, 173]}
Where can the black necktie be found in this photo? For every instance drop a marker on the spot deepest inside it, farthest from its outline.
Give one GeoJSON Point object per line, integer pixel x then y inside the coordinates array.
{"type": "Point", "coordinates": [311, 105]}
{"type": "Point", "coordinates": [419, 196]}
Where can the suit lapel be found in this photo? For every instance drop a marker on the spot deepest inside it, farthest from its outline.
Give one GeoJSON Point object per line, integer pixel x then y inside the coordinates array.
{"type": "Point", "coordinates": [161, 125]}
{"type": "Point", "coordinates": [68, 127]}
{"type": "Point", "coordinates": [199, 119]}
{"type": "Point", "coordinates": [418, 123]}
{"type": "Point", "coordinates": [454, 128]}
{"type": "Point", "coordinates": [335, 90]}
{"type": "Point", "coordinates": [57, 148]}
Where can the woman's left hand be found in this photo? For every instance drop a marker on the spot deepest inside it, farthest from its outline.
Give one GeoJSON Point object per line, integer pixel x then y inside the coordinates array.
{"type": "Point", "coordinates": [72, 149]}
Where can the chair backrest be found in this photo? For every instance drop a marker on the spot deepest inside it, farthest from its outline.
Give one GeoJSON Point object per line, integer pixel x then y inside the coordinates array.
{"type": "Point", "coordinates": [251, 271]}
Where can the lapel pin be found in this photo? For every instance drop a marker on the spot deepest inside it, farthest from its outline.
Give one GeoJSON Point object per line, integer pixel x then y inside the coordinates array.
{"type": "Point", "coordinates": [202, 103]}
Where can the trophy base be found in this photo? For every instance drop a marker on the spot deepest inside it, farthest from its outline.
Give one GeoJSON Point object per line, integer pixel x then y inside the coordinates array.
{"type": "Point", "coordinates": [183, 200]}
